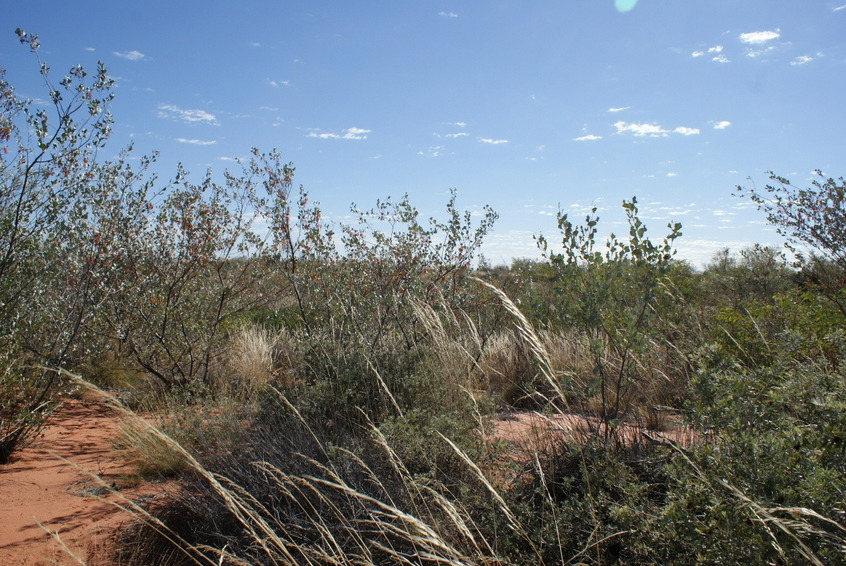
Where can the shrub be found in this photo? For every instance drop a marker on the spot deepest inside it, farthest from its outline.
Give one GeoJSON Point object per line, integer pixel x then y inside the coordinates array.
{"type": "Point", "coordinates": [49, 285]}
{"type": "Point", "coordinates": [26, 400]}
{"type": "Point", "coordinates": [614, 298]}
{"type": "Point", "coordinates": [811, 219]}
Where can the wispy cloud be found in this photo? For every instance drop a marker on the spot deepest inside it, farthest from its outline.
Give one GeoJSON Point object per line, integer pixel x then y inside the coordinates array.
{"type": "Point", "coordinates": [88, 49]}
{"type": "Point", "coordinates": [838, 8]}
{"type": "Point", "coordinates": [759, 52]}
{"type": "Point", "coordinates": [432, 151]}
{"type": "Point", "coordinates": [802, 60]}
{"type": "Point", "coordinates": [459, 124]}
{"type": "Point", "coordinates": [716, 53]}
{"type": "Point", "coordinates": [129, 55]}
{"type": "Point", "coordinates": [254, 44]}
{"type": "Point", "coordinates": [711, 50]}
{"type": "Point", "coordinates": [196, 142]}
{"type": "Point", "coordinates": [645, 130]}
{"type": "Point", "coordinates": [448, 14]}
{"type": "Point", "coordinates": [641, 130]}
{"type": "Point", "coordinates": [588, 137]}
{"type": "Point", "coordinates": [722, 125]}
{"type": "Point", "coordinates": [348, 134]}
{"type": "Point", "coordinates": [492, 141]}
{"type": "Point", "coordinates": [190, 116]}
{"type": "Point", "coordinates": [276, 84]}
{"type": "Point", "coordinates": [620, 109]}
{"type": "Point", "coordinates": [457, 135]}
{"type": "Point", "coordinates": [685, 131]}
{"type": "Point", "coordinates": [759, 37]}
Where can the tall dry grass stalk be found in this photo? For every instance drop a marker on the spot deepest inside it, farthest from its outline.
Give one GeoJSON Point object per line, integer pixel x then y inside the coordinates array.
{"type": "Point", "coordinates": [533, 342]}
{"type": "Point", "coordinates": [349, 527]}
{"type": "Point", "coordinates": [151, 455]}
{"type": "Point", "coordinates": [498, 365]}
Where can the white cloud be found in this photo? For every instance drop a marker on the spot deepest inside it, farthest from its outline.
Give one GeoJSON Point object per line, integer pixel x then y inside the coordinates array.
{"type": "Point", "coordinates": [714, 49]}
{"type": "Point", "coordinates": [589, 137]}
{"type": "Point", "coordinates": [492, 141]}
{"type": "Point", "coordinates": [432, 151]}
{"type": "Point", "coordinates": [802, 59]}
{"type": "Point", "coordinates": [254, 44]}
{"type": "Point", "coordinates": [130, 55]}
{"type": "Point", "coordinates": [277, 84]}
{"type": "Point", "coordinates": [721, 59]}
{"type": "Point", "coordinates": [759, 37]}
{"type": "Point", "coordinates": [448, 14]}
{"type": "Point", "coordinates": [186, 115]}
{"type": "Point", "coordinates": [672, 174]}
{"type": "Point", "coordinates": [348, 134]}
{"type": "Point", "coordinates": [457, 135]}
{"type": "Point", "coordinates": [196, 142]}
{"type": "Point", "coordinates": [759, 52]}
{"type": "Point", "coordinates": [717, 49]}
{"type": "Point", "coordinates": [88, 49]}
{"type": "Point", "coordinates": [459, 124]}
{"type": "Point", "coordinates": [227, 158]}
{"type": "Point", "coordinates": [838, 8]}
{"type": "Point", "coordinates": [620, 109]}
{"type": "Point", "coordinates": [641, 130]}
{"type": "Point", "coordinates": [722, 125]}
{"type": "Point", "coordinates": [269, 108]}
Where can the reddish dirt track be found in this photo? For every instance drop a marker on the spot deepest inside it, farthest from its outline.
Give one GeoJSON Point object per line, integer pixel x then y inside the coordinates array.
{"type": "Point", "coordinates": [38, 486]}
{"type": "Point", "coordinates": [49, 482]}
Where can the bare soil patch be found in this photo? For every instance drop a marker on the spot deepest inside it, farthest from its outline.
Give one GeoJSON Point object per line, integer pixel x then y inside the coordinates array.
{"type": "Point", "coordinates": [50, 483]}
{"type": "Point", "coordinates": [535, 431]}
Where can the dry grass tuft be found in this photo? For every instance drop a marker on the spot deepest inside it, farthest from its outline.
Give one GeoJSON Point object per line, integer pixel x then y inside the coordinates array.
{"type": "Point", "coordinates": [258, 356]}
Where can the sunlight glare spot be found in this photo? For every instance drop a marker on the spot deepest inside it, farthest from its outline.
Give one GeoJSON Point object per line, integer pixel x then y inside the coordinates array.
{"type": "Point", "coordinates": [624, 5]}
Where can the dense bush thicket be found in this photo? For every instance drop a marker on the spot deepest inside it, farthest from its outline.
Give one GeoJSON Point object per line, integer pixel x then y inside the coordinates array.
{"type": "Point", "coordinates": [327, 390]}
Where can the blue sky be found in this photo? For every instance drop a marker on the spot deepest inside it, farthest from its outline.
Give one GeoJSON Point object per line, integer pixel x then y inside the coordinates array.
{"type": "Point", "coordinates": [525, 106]}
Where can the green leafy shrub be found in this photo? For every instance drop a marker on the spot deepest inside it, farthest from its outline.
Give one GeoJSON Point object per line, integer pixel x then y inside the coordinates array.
{"type": "Point", "coordinates": [614, 298]}
{"type": "Point", "coordinates": [771, 482]}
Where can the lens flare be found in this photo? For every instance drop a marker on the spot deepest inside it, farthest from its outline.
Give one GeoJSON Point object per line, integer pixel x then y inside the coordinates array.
{"type": "Point", "coordinates": [624, 5]}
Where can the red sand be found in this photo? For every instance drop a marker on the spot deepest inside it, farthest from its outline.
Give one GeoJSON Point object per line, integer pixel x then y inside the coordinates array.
{"type": "Point", "coordinates": [38, 486]}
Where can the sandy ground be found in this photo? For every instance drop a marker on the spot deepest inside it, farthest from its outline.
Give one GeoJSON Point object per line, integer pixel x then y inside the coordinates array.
{"type": "Point", "coordinates": [50, 482]}
{"type": "Point", "coordinates": [537, 431]}
{"type": "Point", "coordinates": [40, 487]}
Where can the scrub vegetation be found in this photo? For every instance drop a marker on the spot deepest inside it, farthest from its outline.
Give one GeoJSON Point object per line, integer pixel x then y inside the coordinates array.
{"type": "Point", "coordinates": [327, 393]}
